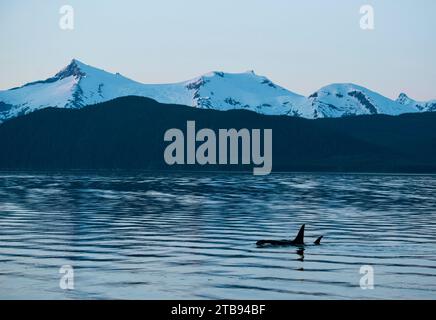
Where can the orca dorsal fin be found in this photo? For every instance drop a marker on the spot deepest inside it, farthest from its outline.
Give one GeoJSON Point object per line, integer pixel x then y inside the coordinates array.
{"type": "Point", "coordinates": [300, 236]}
{"type": "Point", "coordinates": [318, 241]}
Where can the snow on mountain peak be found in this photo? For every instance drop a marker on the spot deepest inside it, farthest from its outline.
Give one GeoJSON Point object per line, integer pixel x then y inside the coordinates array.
{"type": "Point", "coordinates": [225, 91]}
{"type": "Point", "coordinates": [424, 106]}
{"type": "Point", "coordinates": [79, 84]}
{"type": "Point", "coordinates": [347, 99]}
{"type": "Point", "coordinates": [404, 99]}
{"type": "Point", "coordinates": [75, 68]}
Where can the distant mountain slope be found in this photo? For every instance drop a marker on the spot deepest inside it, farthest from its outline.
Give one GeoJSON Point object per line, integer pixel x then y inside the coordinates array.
{"type": "Point", "coordinates": [423, 106]}
{"type": "Point", "coordinates": [79, 84]}
{"type": "Point", "coordinates": [75, 86]}
{"type": "Point", "coordinates": [127, 133]}
{"type": "Point", "coordinates": [338, 100]}
{"type": "Point", "coordinates": [227, 91]}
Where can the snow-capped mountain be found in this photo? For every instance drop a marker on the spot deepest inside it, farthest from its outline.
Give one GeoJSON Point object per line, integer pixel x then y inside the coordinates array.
{"type": "Point", "coordinates": [339, 100]}
{"type": "Point", "coordinates": [225, 91]}
{"type": "Point", "coordinates": [79, 84]}
{"type": "Point", "coordinates": [75, 86]}
{"type": "Point", "coordinates": [423, 106]}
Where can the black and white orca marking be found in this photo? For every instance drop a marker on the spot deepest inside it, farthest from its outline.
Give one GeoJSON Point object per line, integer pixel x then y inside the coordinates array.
{"type": "Point", "coordinates": [298, 241]}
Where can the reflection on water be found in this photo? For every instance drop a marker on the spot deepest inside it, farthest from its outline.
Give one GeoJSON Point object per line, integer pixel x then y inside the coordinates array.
{"type": "Point", "coordinates": [181, 236]}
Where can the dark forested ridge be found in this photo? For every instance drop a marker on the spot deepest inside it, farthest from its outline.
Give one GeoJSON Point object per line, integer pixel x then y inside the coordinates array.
{"type": "Point", "coordinates": [127, 133]}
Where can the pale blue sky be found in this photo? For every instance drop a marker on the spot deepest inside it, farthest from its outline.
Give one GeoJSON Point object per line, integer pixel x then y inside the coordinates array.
{"type": "Point", "coordinates": [301, 45]}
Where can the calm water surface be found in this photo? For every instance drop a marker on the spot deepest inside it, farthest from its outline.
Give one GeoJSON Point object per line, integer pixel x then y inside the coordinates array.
{"type": "Point", "coordinates": [189, 236]}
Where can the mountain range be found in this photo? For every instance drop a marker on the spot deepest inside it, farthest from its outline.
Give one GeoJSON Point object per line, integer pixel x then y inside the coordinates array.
{"type": "Point", "coordinates": [79, 84]}
{"type": "Point", "coordinates": [127, 133]}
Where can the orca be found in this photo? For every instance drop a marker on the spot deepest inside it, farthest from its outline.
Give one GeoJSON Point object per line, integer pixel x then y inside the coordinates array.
{"type": "Point", "coordinates": [298, 241]}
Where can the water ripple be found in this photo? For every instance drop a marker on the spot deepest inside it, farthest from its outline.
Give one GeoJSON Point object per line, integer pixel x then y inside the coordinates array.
{"type": "Point", "coordinates": [181, 236]}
